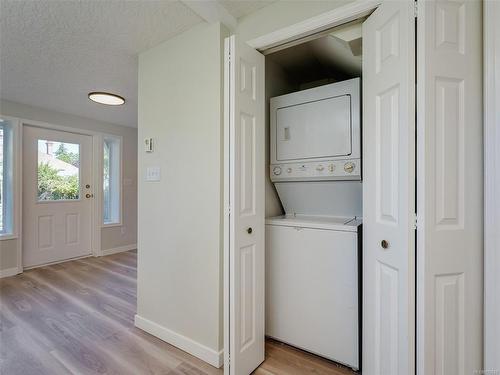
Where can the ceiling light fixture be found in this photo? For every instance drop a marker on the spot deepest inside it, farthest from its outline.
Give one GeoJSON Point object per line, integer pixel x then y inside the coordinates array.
{"type": "Point", "coordinates": [106, 98]}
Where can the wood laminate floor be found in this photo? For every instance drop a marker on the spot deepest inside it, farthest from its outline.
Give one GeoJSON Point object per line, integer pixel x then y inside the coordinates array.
{"type": "Point", "coordinates": [78, 318]}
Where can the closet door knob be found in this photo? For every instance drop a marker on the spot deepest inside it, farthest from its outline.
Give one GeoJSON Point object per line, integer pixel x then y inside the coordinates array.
{"type": "Point", "coordinates": [249, 230]}
{"type": "Point", "coordinates": [384, 244]}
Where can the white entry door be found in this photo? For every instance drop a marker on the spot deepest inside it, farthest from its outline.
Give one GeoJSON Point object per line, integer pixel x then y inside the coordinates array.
{"type": "Point", "coordinates": [57, 195]}
{"type": "Point", "coordinates": [450, 188]}
{"type": "Point", "coordinates": [389, 190]}
{"type": "Point", "coordinates": [244, 278]}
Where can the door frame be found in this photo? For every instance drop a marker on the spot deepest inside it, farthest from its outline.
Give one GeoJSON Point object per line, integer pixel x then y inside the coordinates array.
{"type": "Point", "coordinates": [96, 219]}
{"type": "Point", "coordinates": [314, 25]}
{"type": "Point", "coordinates": [362, 8]}
{"type": "Point", "coordinates": [491, 89]}
{"type": "Point", "coordinates": [272, 41]}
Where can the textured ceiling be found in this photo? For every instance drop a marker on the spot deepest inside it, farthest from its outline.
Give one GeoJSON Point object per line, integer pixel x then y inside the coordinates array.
{"type": "Point", "coordinates": [52, 53]}
{"type": "Point", "coordinates": [240, 8]}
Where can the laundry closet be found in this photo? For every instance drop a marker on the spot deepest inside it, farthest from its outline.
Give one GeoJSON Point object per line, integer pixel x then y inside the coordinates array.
{"type": "Point", "coordinates": [323, 168]}
{"type": "Point", "coordinates": [313, 195]}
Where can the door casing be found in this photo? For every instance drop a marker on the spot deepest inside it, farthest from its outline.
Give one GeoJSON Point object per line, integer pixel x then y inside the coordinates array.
{"type": "Point", "coordinates": [96, 180]}
{"type": "Point", "coordinates": [491, 82]}
{"type": "Point", "coordinates": [271, 42]}
{"type": "Point", "coordinates": [32, 207]}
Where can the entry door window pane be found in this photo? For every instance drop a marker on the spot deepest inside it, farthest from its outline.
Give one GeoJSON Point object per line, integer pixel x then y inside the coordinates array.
{"type": "Point", "coordinates": [58, 170]}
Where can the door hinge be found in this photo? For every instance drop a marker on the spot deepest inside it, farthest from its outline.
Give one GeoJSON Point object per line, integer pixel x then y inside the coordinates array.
{"type": "Point", "coordinates": [228, 210]}
{"type": "Point", "coordinates": [415, 9]}
{"type": "Point", "coordinates": [415, 220]}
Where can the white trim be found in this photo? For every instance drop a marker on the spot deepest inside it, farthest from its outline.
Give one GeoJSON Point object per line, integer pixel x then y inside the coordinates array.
{"type": "Point", "coordinates": [97, 181]}
{"type": "Point", "coordinates": [119, 249]}
{"type": "Point", "coordinates": [46, 125]}
{"type": "Point", "coordinates": [57, 262]}
{"type": "Point", "coordinates": [118, 138]}
{"type": "Point", "coordinates": [97, 138]}
{"type": "Point", "coordinates": [182, 342]}
{"type": "Point", "coordinates": [319, 23]}
{"type": "Point", "coordinates": [9, 272]}
{"type": "Point", "coordinates": [16, 183]}
{"type": "Point", "coordinates": [211, 12]}
{"type": "Point", "coordinates": [112, 225]}
{"type": "Point", "coordinates": [17, 188]}
{"type": "Point", "coordinates": [491, 50]}
{"type": "Point", "coordinates": [8, 236]}
{"type": "Point", "coordinates": [227, 207]}
{"type": "Point", "coordinates": [95, 223]}
{"type": "Point", "coordinates": [300, 30]}
{"type": "Point", "coordinates": [20, 197]}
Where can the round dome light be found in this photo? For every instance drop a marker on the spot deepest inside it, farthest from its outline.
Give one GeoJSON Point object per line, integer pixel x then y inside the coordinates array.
{"type": "Point", "coordinates": [106, 98]}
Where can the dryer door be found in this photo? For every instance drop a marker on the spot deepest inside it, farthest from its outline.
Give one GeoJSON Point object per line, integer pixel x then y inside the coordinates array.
{"type": "Point", "coordinates": [318, 129]}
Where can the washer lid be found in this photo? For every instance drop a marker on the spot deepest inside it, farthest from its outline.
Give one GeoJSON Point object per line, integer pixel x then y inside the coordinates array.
{"type": "Point", "coordinates": [345, 224]}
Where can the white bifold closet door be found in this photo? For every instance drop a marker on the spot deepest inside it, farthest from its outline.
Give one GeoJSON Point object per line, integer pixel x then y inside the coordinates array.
{"type": "Point", "coordinates": [244, 245]}
{"type": "Point", "coordinates": [450, 188]}
{"type": "Point", "coordinates": [389, 190]}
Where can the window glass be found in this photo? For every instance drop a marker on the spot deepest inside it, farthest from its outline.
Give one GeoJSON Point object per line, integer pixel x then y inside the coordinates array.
{"type": "Point", "coordinates": [6, 177]}
{"type": "Point", "coordinates": [2, 204]}
{"type": "Point", "coordinates": [58, 170]}
{"type": "Point", "coordinates": [111, 181]}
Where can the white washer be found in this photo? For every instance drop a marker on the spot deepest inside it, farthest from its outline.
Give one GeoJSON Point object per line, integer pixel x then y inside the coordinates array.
{"type": "Point", "coordinates": [312, 285]}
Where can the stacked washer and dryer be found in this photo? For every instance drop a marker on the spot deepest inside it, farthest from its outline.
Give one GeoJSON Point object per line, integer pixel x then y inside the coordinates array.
{"type": "Point", "coordinates": [313, 252]}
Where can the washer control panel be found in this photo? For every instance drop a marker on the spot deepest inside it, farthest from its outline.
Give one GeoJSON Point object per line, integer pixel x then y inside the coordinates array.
{"type": "Point", "coordinates": [317, 171]}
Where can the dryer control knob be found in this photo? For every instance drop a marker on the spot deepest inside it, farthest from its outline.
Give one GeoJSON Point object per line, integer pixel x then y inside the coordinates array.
{"type": "Point", "coordinates": [277, 171]}
{"type": "Point", "coordinates": [319, 168]}
{"type": "Point", "coordinates": [349, 167]}
{"type": "Point", "coordinates": [289, 170]}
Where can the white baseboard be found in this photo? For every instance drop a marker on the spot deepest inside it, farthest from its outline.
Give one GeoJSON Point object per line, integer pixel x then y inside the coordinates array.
{"type": "Point", "coordinates": [9, 272]}
{"type": "Point", "coordinates": [200, 351]}
{"type": "Point", "coordinates": [119, 249]}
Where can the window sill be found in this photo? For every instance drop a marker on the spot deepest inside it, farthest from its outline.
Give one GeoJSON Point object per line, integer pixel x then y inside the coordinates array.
{"type": "Point", "coordinates": [5, 237]}
{"type": "Point", "coordinates": [111, 225]}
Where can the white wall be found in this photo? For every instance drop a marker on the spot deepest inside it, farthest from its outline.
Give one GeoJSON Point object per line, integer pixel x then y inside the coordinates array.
{"type": "Point", "coordinates": [282, 14]}
{"type": "Point", "coordinates": [110, 237]}
{"type": "Point", "coordinates": [492, 187]}
{"type": "Point", "coordinates": [180, 274]}
{"type": "Point", "coordinates": [180, 217]}
{"type": "Point", "coordinates": [8, 254]}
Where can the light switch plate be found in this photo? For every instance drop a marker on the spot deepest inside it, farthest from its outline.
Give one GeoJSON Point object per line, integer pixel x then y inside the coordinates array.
{"type": "Point", "coordinates": [153, 174]}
